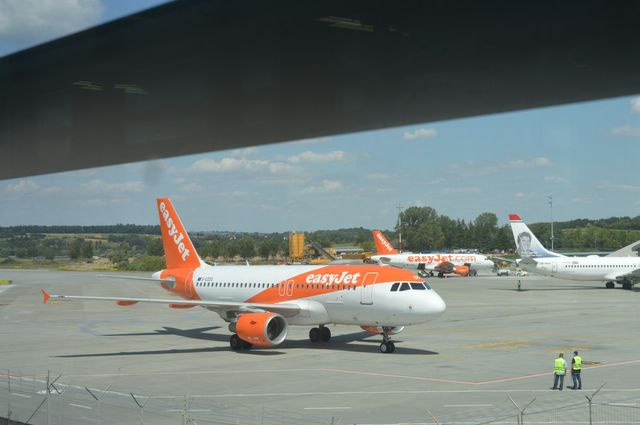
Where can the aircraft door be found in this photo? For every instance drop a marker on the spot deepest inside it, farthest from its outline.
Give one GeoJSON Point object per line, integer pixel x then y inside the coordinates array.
{"type": "Point", "coordinates": [289, 288]}
{"type": "Point", "coordinates": [366, 290]}
{"type": "Point", "coordinates": [554, 267]}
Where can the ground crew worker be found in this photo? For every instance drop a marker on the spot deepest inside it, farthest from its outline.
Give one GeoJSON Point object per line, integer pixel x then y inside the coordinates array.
{"type": "Point", "coordinates": [576, 368]}
{"type": "Point", "coordinates": [559, 370]}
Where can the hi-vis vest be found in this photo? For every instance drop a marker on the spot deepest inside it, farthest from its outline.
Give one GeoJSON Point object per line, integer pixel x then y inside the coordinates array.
{"type": "Point", "coordinates": [577, 363]}
{"type": "Point", "coordinates": [559, 366]}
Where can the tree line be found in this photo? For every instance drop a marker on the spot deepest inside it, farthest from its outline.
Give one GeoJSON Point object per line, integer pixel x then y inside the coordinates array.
{"type": "Point", "coordinates": [423, 230]}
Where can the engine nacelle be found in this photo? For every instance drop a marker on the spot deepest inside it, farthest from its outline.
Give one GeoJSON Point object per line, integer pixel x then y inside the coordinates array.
{"type": "Point", "coordinates": [261, 329]}
{"type": "Point", "coordinates": [377, 330]}
{"type": "Point", "coordinates": [462, 270]}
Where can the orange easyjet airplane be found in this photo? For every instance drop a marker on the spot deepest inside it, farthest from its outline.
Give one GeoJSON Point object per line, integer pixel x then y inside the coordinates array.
{"type": "Point", "coordinates": [259, 302]}
{"type": "Point", "coordinates": [428, 264]}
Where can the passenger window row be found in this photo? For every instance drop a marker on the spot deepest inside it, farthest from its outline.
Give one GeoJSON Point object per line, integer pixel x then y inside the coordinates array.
{"type": "Point", "coordinates": [271, 285]}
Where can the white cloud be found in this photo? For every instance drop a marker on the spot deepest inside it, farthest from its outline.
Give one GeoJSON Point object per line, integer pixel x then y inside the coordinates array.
{"type": "Point", "coordinates": [29, 21]}
{"type": "Point", "coordinates": [619, 187]}
{"type": "Point", "coordinates": [313, 141]}
{"type": "Point", "coordinates": [226, 165]}
{"type": "Point", "coordinates": [421, 133]}
{"type": "Point", "coordinates": [554, 179]}
{"type": "Point", "coordinates": [581, 200]}
{"type": "Point", "coordinates": [520, 195]}
{"type": "Point", "coordinates": [325, 187]}
{"type": "Point", "coordinates": [23, 186]}
{"type": "Point", "coordinates": [242, 152]}
{"type": "Point", "coordinates": [380, 176]}
{"type": "Point", "coordinates": [314, 157]}
{"type": "Point", "coordinates": [471, 189]}
{"type": "Point", "coordinates": [530, 163]}
{"type": "Point", "coordinates": [52, 189]}
{"type": "Point", "coordinates": [626, 131]}
{"type": "Point", "coordinates": [635, 104]}
{"type": "Point", "coordinates": [230, 165]}
{"type": "Point", "coordinates": [100, 186]}
{"type": "Point", "coordinates": [192, 188]}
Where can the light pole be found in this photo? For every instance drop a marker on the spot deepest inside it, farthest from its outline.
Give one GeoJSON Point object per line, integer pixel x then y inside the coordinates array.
{"type": "Point", "coordinates": [400, 227]}
{"type": "Point", "coordinates": [551, 208]}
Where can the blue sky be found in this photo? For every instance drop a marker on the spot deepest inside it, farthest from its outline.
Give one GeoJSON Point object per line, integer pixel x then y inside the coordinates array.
{"type": "Point", "coordinates": [585, 155]}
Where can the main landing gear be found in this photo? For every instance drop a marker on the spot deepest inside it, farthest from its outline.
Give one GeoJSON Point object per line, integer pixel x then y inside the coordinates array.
{"type": "Point", "coordinates": [610, 285]}
{"type": "Point", "coordinates": [238, 344]}
{"type": "Point", "coordinates": [320, 334]}
{"type": "Point", "coordinates": [387, 346]}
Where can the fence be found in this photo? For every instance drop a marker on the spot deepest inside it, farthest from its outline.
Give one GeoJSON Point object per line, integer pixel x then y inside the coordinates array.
{"type": "Point", "coordinates": [51, 401]}
{"type": "Point", "coordinates": [48, 401]}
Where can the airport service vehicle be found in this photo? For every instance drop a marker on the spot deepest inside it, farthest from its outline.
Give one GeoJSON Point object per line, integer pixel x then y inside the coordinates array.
{"type": "Point", "coordinates": [260, 302]}
{"type": "Point", "coordinates": [503, 272]}
{"type": "Point", "coordinates": [535, 258]}
{"type": "Point", "coordinates": [433, 263]}
{"type": "Point", "coordinates": [520, 272]}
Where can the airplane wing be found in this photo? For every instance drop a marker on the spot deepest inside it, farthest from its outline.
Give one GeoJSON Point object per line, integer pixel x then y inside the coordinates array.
{"type": "Point", "coordinates": [152, 279]}
{"type": "Point", "coordinates": [284, 309]}
{"type": "Point", "coordinates": [506, 260]}
{"type": "Point", "coordinates": [630, 250]}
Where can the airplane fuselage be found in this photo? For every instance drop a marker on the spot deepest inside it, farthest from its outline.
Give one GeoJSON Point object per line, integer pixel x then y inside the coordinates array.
{"type": "Point", "coordinates": [582, 268]}
{"type": "Point", "coordinates": [428, 261]}
{"type": "Point", "coordinates": [351, 295]}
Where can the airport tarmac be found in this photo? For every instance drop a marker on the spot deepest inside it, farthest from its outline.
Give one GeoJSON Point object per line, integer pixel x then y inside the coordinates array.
{"type": "Point", "coordinates": [493, 341]}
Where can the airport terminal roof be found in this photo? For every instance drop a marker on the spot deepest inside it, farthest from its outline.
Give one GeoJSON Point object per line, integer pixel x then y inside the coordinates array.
{"type": "Point", "coordinates": [200, 75]}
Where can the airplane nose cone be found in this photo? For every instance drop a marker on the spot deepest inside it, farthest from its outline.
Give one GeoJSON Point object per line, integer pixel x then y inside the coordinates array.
{"type": "Point", "coordinates": [438, 304]}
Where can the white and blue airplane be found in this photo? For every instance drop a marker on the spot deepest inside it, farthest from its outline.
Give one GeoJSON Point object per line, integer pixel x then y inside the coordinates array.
{"type": "Point", "coordinates": [535, 258]}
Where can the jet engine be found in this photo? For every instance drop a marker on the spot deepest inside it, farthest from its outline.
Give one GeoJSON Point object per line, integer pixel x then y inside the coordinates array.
{"type": "Point", "coordinates": [377, 330]}
{"type": "Point", "coordinates": [261, 329]}
{"type": "Point", "coordinates": [461, 270]}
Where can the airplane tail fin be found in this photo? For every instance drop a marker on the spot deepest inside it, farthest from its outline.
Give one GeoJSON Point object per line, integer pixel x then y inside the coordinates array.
{"type": "Point", "coordinates": [178, 248]}
{"type": "Point", "coordinates": [382, 244]}
{"type": "Point", "coordinates": [527, 245]}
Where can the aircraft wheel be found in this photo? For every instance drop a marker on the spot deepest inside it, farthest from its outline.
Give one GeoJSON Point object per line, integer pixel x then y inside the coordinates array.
{"type": "Point", "coordinates": [610, 285]}
{"type": "Point", "coordinates": [315, 335]}
{"type": "Point", "coordinates": [235, 342]}
{"type": "Point", "coordinates": [626, 285]}
{"type": "Point", "coordinates": [387, 347]}
{"type": "Point", "coordinates": [392, 347]}
{"type": "Point", "coordinates": [325, 334]}
{"type": "Point", "coordinates": [440, 275]}
{"type": "Point", "coordinates": [246, 345]}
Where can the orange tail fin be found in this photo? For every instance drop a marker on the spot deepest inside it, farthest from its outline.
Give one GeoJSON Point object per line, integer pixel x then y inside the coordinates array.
{"type": "Point", "coordinates": [382, 244]}
{"type": "Point", "coordinates": [178, 249]}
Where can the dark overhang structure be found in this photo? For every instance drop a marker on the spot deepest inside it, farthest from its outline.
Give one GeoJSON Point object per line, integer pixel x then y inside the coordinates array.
{"type": "Point", "coordinates": [202, 75]}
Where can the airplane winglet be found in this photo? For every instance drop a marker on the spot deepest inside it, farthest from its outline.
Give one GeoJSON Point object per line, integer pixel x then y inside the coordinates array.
{"type": "Point", "coordinates": [45, 296]}
{"type": "Point", "coordinates": [514, 217]}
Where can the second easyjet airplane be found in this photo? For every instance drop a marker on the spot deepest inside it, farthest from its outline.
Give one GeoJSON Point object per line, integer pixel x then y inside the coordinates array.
{"type": "Point", "coordinates": [435, 262]}
{"type": "Point", "coordinates": [259, 302]}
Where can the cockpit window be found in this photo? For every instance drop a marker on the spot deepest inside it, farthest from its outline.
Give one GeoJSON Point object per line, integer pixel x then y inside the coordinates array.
{"type": "Point", "coordinates": [405, 286]}
{"type": "Point", "coordinates": [394, 287]}
{"type": "Point", "coordinates": [427, 286]}
{"type": "Point", "coordinates": [418, 285]}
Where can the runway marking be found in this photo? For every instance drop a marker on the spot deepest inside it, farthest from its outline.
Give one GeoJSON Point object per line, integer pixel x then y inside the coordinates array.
{"type": "Point", "coordinates": [21, 395]}
{"type": "Point", "coordinates": [188, 410]}
{"type": "Point", "coordinates": [347, 371]}
{"type": "Point", "coordinates": [329, 408]}
{"type": "Point", "coordinates": [334, 392]}
{"type": "Point", "coordinates": [468, 405]}
{"type": "Point", "coordinates": [80, 406]}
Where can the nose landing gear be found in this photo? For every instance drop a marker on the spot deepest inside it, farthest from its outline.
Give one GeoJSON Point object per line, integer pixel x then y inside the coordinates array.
{"type": "Point", "coordinates": [387, 346]}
